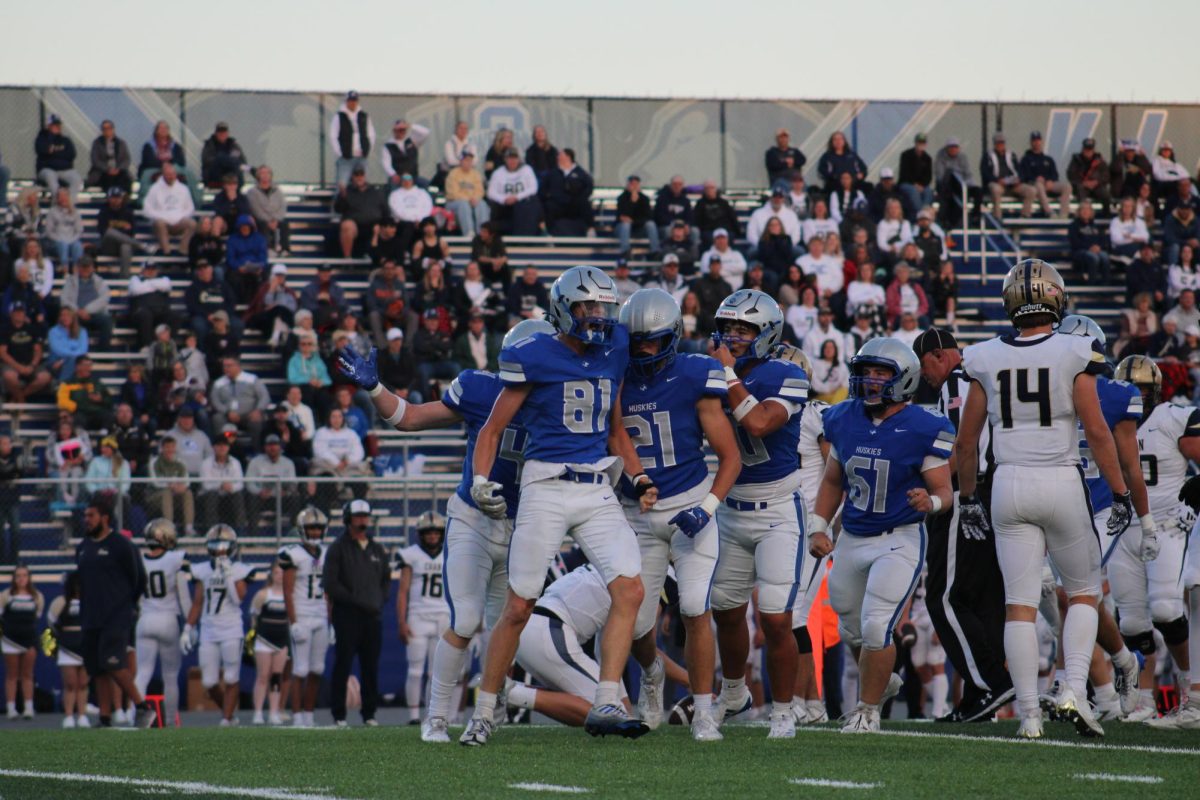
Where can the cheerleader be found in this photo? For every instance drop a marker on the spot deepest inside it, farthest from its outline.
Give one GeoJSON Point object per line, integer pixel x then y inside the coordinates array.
{"type": "Point", "coordinates": [270, 622]}
{"type": "Point", "coordinates": [63, 618]}
{"type": "Point", "coordinates": [21, 605]}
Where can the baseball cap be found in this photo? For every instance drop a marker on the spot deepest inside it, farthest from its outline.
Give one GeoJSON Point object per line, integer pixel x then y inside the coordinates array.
{"type": "Point", "coordinates": [934, 339]}
{"type": "Point", "coordinates": [678, 224]}
{"type": "Point", "coordinates": [351, 95]}
{"type": "Point", "coordinates": [229, 429]}
{"type": "Point", "coordinates": [324, 266]}
{"type": "Point", "coordinates": [221, 441]}
{"type": "Point", "coordinates": [1129, 144]}
{"type": "Point", "coordinates": [1034, 135]}
{"type": "Point", "coordinates": [273, 439]}
{"type": "Point", "coordinates": [467, 153]}
{"type": "Point", "coordinates": [634, 178]}
{"type": "Point", "coordinates": [670, 258]}
{"type": "Point", "coordinates": [358, 507]}
{"type": "Point", "coordinates": [187, 411]}
{"type": "Point", "coordinates": [221, 314]}
{"type": "Point", "coordinates": [394, 333]}
{"type": "Point", "coordinates": [925, 213]}
{"type": "Point", "coordinates": [720, 232]}
{"type": "Point", "coordinates": [886, 174]}
{"type": "Point", "coordinates": [431, 313]}
{"type": "Point", "coordinates": [777, 192]}
{"type": "Point", "coordinates": [17, 305]}
{"type": "Point", "coordinates": [998, 137]}
{"type": "Point", "coordinates": [359, 169]}
{"type": "Point", "coordinates": [222, 126]}
{"type": "Point", "coordinates": [622, 262]}
{"type": "Point", "coordinates": [162, 328]}
{"type": "Point", "coordinates": [279, 269]}
{"type": "Point", "coordinates": [952, 142]}
{"type": "Point", "coordinates": [400, 123]}
{"type": "Point", "coordinates": [115, 191]}
{"type": "Point", "coordinates": [920, 137]}
{"type": "Point", "coordinates": [407, 176]}
{"type": "Point", "coordinates": [1089, 142]}
{"type": "Point", "coordinates": [54, 119]}
{"type": "Point", "coordinates": [1166, 145]}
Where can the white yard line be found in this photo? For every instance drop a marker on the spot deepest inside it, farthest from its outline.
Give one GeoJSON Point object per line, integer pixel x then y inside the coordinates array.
{"type": "Point", "coordinates": [1131, 748]}
{"type": "Point", "coordinates": [1114, 778]}
{"type": "Point", "coordinates": [831, 784]}
{"type": "Point", "coordinates": [549, 787]}
{"type": "Point", "coordinates": [186, 787]}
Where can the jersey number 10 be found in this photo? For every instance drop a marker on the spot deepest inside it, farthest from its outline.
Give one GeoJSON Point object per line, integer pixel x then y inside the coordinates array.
{"type": "Point", "coordinates": [1040, 395]}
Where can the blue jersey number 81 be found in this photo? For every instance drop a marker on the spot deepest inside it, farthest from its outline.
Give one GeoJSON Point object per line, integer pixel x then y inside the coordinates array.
{"type": "Point", "coordinates": [586, 405]}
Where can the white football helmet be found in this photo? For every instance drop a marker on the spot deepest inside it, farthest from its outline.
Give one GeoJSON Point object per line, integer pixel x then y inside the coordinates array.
{"type": "Point", "coordinates": [592, 288]}
{"type": "Point", "coordinates": [886, 352]}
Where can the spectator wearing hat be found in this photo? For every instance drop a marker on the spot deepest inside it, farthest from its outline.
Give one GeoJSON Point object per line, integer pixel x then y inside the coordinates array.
{"type": "Point", "coordinates": [110, 160]}
{"type": "Point", "coordinates": [1002, 176]}
{"type": "Point", "coordinates": [782, 160]}
{"type": "Point", "coordinates": [839, 157]}
{"type": "Point", "coordinates": [953, 177]}
{"type": "Point", "coordinates": [916, 177]}
{"type": "Point", "coordinates": [710, 289]}
{"type": "Point", "coordinates": [285, 425]}
{"type": "Point", "coordinates": [512, 191]}
{"type": "Point", "coordinates": [172, 489]}
{"type": "Point", "coordinates": [797, 195]}
{"type": "Point", "coordinates": [192, 442]}
{"type": "Point", "coordinates": [149, 303]}
{"type": "Point", "coordinates": [681, 242]}
{"type": "Point", "coordinates": [733, 263]}
{"type": "Point", "coordinates": [56, 158]}
{"type": "Point", "coordinates": [672, 205]}
{"type": "Point", "coordinates": [541, 155]}
{"type": "Point", "coordinates": [22, 351]}
{"type": "Point", "coordinates": [222, 487]}
{"type": "Point", "coordinates": [268, 206]}
{"type": "Point", "coordinates": [400, 154]}
{"type": "Point", "coordinates": [884, 191]}
{"type": "Point", "coordinates": [114, 224]}
{"type": "Point", "coordinates": [268, 475]}
{"type": "Point", "coordinates": [397, 370]}
{"type": "Point", "coordinates": [476, 347]}
{"type": "Point", "coordinates": [228, 204]}
{"type": "Point", "coordinates": [931, 240]}
{"type": "Point", "coordinates": [221, 156]}
{"type": "Point", "coordinates": [527, 298]}
{"type": "Point", "coordinates": [434, 352]}
{"type": "Point", "coordinates": [1180, 228]}
{"type": "Point", "coordinates": [775, 208]}
{"type": "Point", "coordinates": [409, 205]}
{"type": "Point", "coordinates": [712, 212]}
{"type": "Point", "coordinates": [89, 295]}
{"type": "Point", "coordinates": [669, 279]}
{"type": "Point", "coordinates": [170, 209]}
{"type": "Point", "coordinates": [624, 283]}
{"type": "Point", "coordinates": [1088, 174]}
{"type": "Point", "coordinates": [1129, 171]}
{"type": "Point", "coordinates": [239, 397]}
{"type": "Point", "coordinates": [352, 136]}
{"type": "Point", "coordinates": [206, 295]}
{"type": "Point", "coordinates": [1183, 193]}
{"type": "Point", "coordinates": [566, 191]}
{"type": "Point", "coordinates": [1039, 171]}
{"type": "Point", "coordinates": [361, 206]}
{"type": "Point", "coordinates": [465, 197]}
{"type": "Point", "coordinates": [1166, 171]}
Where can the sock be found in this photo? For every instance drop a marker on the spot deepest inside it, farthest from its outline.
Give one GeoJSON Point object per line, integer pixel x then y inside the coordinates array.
{"type": "Point", "coordinates": [485, 705]}
{"type": "Point", "coordinates": [733, 686]}
{"type": "Point", "coordinates": [1079, 639]}
{"type": "Point", "coordinates": [448, 663]}
{"type": "Point", "coordinates": [1106, 694]}
{"type": "Point", "coordinates": [1124, 660]}
{"type": "Point", "coordinates": [412, 694]}
{"type": "Point", "coordinates": [781, 708]}
{"type": "Point", "coordinates": [1043, 684]}
{"type": "Point", "coordinates": [655, 670]}
{"type": "Point", "coordinates": [702, 703]}
{"type": "Point", "coordinates": [11, 707]}
{"type": "Point", "coordinates": [607, 693]}
{"type": "Point", "coordinates": [1021, 650]}
{"type": "Point", "coordinates": [940, 686]}
{"type": "Point", "coordinates": [522, 696]}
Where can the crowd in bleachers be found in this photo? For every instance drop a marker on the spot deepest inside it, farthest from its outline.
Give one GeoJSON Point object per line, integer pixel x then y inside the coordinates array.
{"type": "Point", "coordinates": [848, 260]}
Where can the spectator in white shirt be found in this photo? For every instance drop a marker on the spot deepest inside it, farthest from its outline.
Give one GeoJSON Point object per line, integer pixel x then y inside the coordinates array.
{"type": "Point", "coordinates": [775, 207]}
{"type": "Point", "coordinates": [300, 414]}
{"type": "Point", "coordinates": [802, 316]}
{"type": "Point", "coordinates": [893, 232]}
{"type": "Point", "coordinates": [170, 209]}
{"type": "Point", "coordinates": [864, 291]}
{"type": "Point", "coordinates": [847, 200]}
{"type": "Point", "coordinates": [827, 271]}
{"type": "Point", "coordinates": [831, 378]}
{"type": "Point", "coordinates": [409, 205]}
{"type": "Point", "coordinates": [819, 223]}
{"type": "Point", "coordinates": [669, 279]}
{"type": "Point", "coordinates": [823, 331]}
{"type": "Point", "coordinates": [797, 198]}
{"type": "Point", "coordinates": [1166, 170]}
{"type": "Point", "coordinates": [222, 487]}
{"type": "Point", "coordinates": [453, 148]}
{"type": "Point", "coordinates": [733, 263]}
{"type": "Point", "coordinates": [512, 190]}
{"type": "Point", "coordinates": [908, 330]}
{"type": "Point", "coordinates": [1127, 231]}
{"type": "Point", "coordinates": [338, 451]}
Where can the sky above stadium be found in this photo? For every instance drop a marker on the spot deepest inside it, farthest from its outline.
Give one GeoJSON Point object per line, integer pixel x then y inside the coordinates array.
{"type": "Point", "coordinates": [870, 49]}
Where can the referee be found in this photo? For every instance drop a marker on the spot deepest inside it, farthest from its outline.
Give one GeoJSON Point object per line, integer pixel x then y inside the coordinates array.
{"type": "Point", "coordinates": [111, 579]}
{"type": "Point", "coordinates": [964, 588]}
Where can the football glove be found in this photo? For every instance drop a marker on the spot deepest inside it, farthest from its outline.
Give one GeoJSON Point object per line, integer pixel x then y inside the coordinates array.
{"type": "Point", "coordinates": [1189, 493]}
{"type": "Point", "coordinates": [691, 520]}
{"type": "Point", "coordinates": [972, 517]}
{"type": "Point", "coordinates": [1184, 522]}
{"type": "Point", "coordinates": [299, 633]}
{"type": "Point", "coordinates": [362, 371]}
{"type": "Point", "coordinates": [187, 639]}
{"type": "Point", "coordinates": [1150, 545]}
{"type": "Point", "coordinates": [486, 495]}
{"type": "Point", "coordinates": [1121, 514]}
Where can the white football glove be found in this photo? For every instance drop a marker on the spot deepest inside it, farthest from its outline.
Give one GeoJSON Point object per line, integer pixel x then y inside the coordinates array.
{"type": "Point", "coordinates": [1184, 521]}
{"type": "Point", "coordinates": [486, 495]}
{"type": "Point", "coordinates": [187, 639]}
{"type": "Point", "coordinates": [299, 633]}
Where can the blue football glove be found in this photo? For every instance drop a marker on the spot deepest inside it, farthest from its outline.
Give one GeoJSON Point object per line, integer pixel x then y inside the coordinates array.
{"type": "Point", "coordinates": [361, 370]}
{"type": "Point", "coordinates": [691, 520]}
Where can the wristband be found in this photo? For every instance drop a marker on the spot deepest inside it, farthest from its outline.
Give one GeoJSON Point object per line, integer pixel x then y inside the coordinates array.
{"type": "Point", "coordinates": [817, 524]}
{"type": "Point", "coordinates": [744, 408]}
{"type": "Point", "coordinates": [401, 407]}
{"type": "Point", "coordinates": [639, 489]}
{"type": "Point", "coordinates": [937, 503]}
{"type": "Point", "coordinates": [731, 375]}
{"type": "Point", "coordinates": [375, 390]}
{"type": "Point", "coordinates": [710, 503]}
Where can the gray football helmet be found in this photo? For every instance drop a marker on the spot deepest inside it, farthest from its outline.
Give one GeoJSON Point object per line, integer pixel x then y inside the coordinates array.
{"type": "Point", "coordinates": [309, 518]}
{"type": "Point", "coordinates": [221, 541]}
{"type": "Point", "coordinates": [524, 330]}
{"type": "Point", "coordinates": [886, 352]}
{"type": "Point", "coordinates": [753, 308]}
{"type": "Point", "coordinates": [160, 533]}
{"type": "Point", "coordinates": [428, 524]}
{"type": "Point", "coordinates": [1079, 325]}
{"type": "Point", "coordinates": [592, 287]}
{"type": "Point", "coordinates": [652, 314]}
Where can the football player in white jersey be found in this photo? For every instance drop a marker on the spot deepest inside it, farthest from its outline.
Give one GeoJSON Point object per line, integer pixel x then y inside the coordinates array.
{"type": "Point", "coordinates": [421, 610]}
{"type": "Point", "coordinates": [217, 607]}
{"type": "Point", "coordinates": [167, 575]}
{"type": "Point", "coordinates": [303, 563]}
{"type": "Point", "coordinates": [1188, 715]}
{"type": "Point", "coordinates": [807, 706]}
{"type": "Point", "coordinates": [1031, 386]}
{"type": "Point", "coordinates": [1150, 594]}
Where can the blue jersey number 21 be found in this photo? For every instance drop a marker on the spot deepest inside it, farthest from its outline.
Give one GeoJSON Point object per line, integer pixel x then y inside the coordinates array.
{"type": "Point", "coordinates": [586, 405]}
{"type": "Point", "coordinates": [860, 491]}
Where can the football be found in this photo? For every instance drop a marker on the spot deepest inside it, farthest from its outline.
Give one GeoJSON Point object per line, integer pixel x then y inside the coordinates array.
{"type": "Point", "coordinates": [681, 712]}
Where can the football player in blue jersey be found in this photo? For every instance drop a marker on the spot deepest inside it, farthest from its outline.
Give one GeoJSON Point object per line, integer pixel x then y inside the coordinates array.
{"type": "Point", "coordinates": [475, 572]}
{"type": "Point", "coordinates": [761, 522]}
{"type": "Point", "coordinates": [671, 403]}
{"type": "Point", "coordinates": [892, 459]}
{"type": "Point", "coordinates": [1121, 404]}
{"type": "Point", "coordinates": [567, 388]}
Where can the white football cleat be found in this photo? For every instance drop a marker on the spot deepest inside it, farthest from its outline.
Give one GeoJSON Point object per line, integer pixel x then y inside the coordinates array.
{"type": "Point", "coordinates": [258, 718]}
{"type": "Point", "coordinates": [478, 731]}
{"type": "Point", "coordinates": [799, 711]}
{"type": "Point", "coordinates": [1187, 717]}
{"type": "Point", "coordinates": [705, 728]}
{"type": "Point", "coordinates": [650, 699]}
{"type": "Point", "coordinates": [1078, 713]}
{"type": "Point", "coordinates": [1126, 684]}
{"type": "Point", "coordinates": [894, 685]}
{"type": "Point", "coordinates": [28, 712]}
{"type": "Point", "coordinates": [1143, 712]}
{"type": "Point", "coordinates": [435, 729]}
{"type": "Point", "coordinates": [783, 726]}
{"type": "Point", "coordinates": [275, 719]}
{"type": "Point", "coordinates": [817, 713]}
{"type": "Point", "coordinates": [863, 719]}
{"type": "Point", "coordinates": [118, 717]}
{"type": "Point", "coordinates": [731, 705]}
{"type": "Point", "coordinates": [12, 713]}
{"type": "Point", "coordinates": [1031, 727]}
